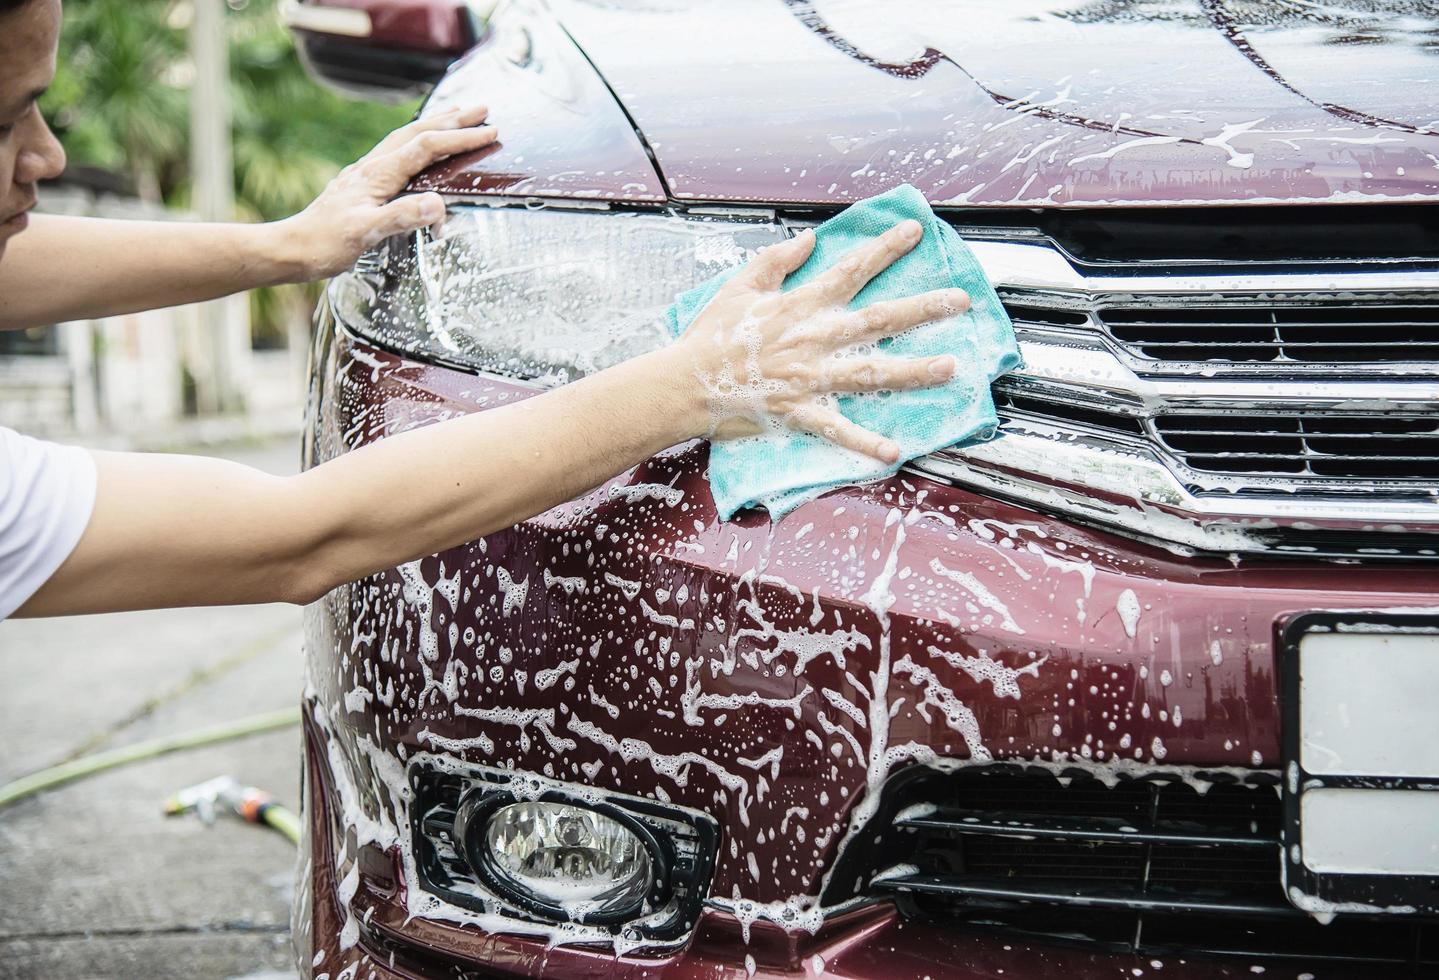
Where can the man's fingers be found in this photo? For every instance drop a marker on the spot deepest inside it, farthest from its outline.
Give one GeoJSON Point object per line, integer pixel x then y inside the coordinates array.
{"type": "Point", "coordinates": [392, 172]}
{"type": "Point", "coordinates": [459, 117]}
{"type": "Point", "coordinates": [890, 373]}
{"type": "Point", "coordinates": [768, 269]}
{"type": "Point", "coordinates": [407, 214]}
{"type": "Point", "coordinates": [834, 427]}
{"type": "Point", "coordinates": [454, 118]}
{"type": "Point", "coordinates": [886, 319]}
{"type": "Point", "coordinates": [851, 273]}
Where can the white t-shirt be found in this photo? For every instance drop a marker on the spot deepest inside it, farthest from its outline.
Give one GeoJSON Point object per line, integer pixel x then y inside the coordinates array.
{"type": "Point", "coordinates": [47, 492]}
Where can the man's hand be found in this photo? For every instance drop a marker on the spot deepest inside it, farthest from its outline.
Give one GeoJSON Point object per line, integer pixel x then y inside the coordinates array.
{"type": "Point", "coordinates": [357, 210]}
{"type": "Point", "coordinates": [65, 268]}
{"type": "Point", "coordinates": [767, 358]}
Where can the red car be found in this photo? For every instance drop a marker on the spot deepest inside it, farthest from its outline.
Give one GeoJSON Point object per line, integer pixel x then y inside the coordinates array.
{"type": "Point", "coordinates": [1145, 685]}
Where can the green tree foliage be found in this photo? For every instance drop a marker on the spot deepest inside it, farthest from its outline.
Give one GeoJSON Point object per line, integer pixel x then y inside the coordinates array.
{"type": "Point", "coordinates": [120, 102]}
{"type": "Point", "coordinates": [291, 135]}
{"type": "Point", "coordinates": [115, 101]}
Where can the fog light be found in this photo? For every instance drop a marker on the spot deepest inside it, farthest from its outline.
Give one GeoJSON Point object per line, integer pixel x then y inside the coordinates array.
{"type": "Point", "coordinates": [564, 859]}
{"type": "Point", "coordinates": [567, 855]}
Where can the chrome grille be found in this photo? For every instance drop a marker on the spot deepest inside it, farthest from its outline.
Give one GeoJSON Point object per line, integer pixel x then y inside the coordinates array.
{"type": "Point", "coordinates": [1256, 405]}
{"type": "Point", "coordinates": [1346, 447]}
{"type": "Point", "coordinates": [1343, 333]}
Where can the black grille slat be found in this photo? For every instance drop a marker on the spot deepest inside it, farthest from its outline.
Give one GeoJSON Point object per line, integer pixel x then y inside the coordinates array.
{"type": "Point", "coordinates": [1097, 829]}
{"type": "Point", "coordinates": [1267, 333]}
{"type": "Point", "coordinates": [1311, 455]}
{"type": "Point", "coordinates": [1068, 894]}
{"type": "Point", "coordinates": [1341, 447]}
{"type": "Point", "coordinates": [1281, 328]}
{"type": "Point", "coordinates": [1301, 448]}
{"type": "Point", "coordinates": [1130, 839]}
{"type": "Point", "coordinates": [1009, 401]}
{"type": "Point", "coordinates": [1140, 866]}
{"type": "Point", "coordinates": [1022, 313]}
{"type": "Point", "coordinates": [1305, 343]}
{"type": "Point", "coordinates": [1336, 447]}
{"type": "Point", "coordinates": [1045, 860]}
{"type": "Point", "coordinates": [1310, 435]}
{"type": "Point", "coordinates": [1230, 423]}
{"type": "Point", "coordinates": [1265, 314]}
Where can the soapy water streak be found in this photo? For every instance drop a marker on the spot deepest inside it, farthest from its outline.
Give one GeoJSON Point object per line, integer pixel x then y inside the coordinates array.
{"type": "Point", "coordinates": [854, 716]}
{"type": "Point", "coordinates": [956, 713]}
{"type": "Point", "coordinates": [843, 710]}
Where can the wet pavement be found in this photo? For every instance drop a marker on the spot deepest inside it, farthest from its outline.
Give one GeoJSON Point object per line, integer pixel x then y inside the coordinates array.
{"type": "Point", "coordinates": [94, 880]}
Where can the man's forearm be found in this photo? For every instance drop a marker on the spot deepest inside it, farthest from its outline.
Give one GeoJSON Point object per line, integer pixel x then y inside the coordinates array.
{"type": "Point", "coordinates": [178, 531]}
{"type": "Point", "coordinates": [67, 268]}
{"type": "Point", "coordinates": [63, 268]}
{"type": "Point", "coordinates": [406, 497]}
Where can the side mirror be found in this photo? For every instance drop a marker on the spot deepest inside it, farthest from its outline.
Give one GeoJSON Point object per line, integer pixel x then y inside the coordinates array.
{"type": "Point", "coordinates": [381, 49]}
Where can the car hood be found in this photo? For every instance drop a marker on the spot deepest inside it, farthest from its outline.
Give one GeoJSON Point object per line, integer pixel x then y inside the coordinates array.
{"type": "Point", "coordinates": [1027, 103]}
{"type": "Point", "coordinates": [1030, 103]}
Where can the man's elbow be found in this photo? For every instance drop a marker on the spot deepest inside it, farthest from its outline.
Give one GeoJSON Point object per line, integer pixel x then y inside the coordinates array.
{"type": "Point", "coordinates": [329, 543]}
{"type": "Point", "coordinates": [325, 563]}
{"type": "Point", "coordinates": [311, 556]}
{"type": "Point", "coordinates": [303, 587]}
{"type": "Point", "coordinates": [311, 576]}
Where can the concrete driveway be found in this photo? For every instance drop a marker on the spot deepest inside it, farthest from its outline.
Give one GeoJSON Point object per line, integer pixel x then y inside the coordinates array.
{"type": "Point", "coordinates": [94, 880]}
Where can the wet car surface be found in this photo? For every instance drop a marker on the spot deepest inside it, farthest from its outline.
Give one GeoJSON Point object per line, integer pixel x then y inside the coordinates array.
{"type": "Point", "coordinates": [1007, 714]}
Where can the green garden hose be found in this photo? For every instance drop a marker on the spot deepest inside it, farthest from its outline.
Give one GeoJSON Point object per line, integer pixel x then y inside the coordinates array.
{"type": "Point", "coordinates": [89, 765]}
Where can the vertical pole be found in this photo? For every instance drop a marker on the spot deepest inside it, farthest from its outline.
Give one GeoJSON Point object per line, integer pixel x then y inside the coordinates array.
{"type": "Point", "coordinates": [224, 323]}
{"type": "Point", "coordinates": [210, 150]}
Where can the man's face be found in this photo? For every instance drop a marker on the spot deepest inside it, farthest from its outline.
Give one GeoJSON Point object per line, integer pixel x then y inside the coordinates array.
{"type": "Point", "coordinates": [29, 152]}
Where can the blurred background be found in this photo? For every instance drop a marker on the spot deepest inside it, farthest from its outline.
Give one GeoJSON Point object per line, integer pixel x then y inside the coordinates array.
{"type": "Point", "coordinates": [169, 110]}
{"type": "Point", "coordinates": [180, 110]}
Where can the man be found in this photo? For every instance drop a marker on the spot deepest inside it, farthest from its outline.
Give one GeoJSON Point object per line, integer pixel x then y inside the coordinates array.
{"type": "Point", "coordinates": [95, 532]}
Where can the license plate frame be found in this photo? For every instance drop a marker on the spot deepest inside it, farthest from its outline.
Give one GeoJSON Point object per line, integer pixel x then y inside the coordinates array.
{"type": "Point", "coordinates": [1330, 891]}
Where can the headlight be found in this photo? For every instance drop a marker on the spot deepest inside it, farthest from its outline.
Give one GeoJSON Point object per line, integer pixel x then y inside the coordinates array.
{"type": "Point", "coordinates": [548, 295]}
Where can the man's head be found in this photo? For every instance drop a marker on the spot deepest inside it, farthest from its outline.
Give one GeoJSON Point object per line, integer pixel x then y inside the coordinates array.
{"type": "Point", "coordinates": [29, 152]}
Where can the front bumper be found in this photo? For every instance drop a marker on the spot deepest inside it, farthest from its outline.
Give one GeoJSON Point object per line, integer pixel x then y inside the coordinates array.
{"type": "Point", "coordinates": [772, 676]}
{"type": "Point", "coordinates": [872, 943]}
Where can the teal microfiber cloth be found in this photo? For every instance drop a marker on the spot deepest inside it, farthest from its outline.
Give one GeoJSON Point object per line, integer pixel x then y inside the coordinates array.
{"type": "Point", "coordinates": [782, 471]}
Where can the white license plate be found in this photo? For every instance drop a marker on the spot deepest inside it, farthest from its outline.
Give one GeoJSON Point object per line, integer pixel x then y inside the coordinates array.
{"type": "Point", "coordinates": [1369, 707]}
{"type": "Point", "coordinates": [1369, 704]}
{"type": "Point", "coordinates": [1370, 831]}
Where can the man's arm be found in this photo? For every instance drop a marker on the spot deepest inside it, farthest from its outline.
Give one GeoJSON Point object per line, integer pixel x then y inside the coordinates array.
{"type": "Point", "coordinates": [183, 531]}
{"type": "Point", "coordinates": [190, 530]}
{"type": "Point", "coordinates": [174, 530]}
{"type": "Point", "coordinates": [64, 268]}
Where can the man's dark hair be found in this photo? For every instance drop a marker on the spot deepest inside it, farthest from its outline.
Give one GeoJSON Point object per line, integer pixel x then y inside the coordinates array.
{"type": "Point", "coordinates": [8, 5]}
